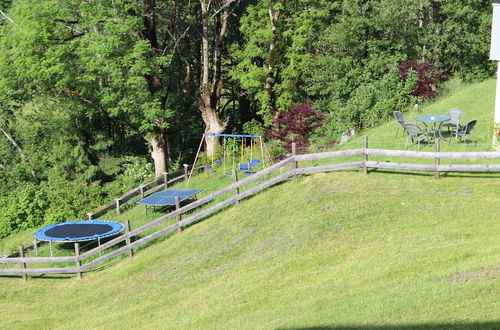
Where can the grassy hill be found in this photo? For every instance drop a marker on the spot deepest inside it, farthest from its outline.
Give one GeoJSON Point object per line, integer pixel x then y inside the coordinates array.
{"type": "Point", "coordinates": [340, 250]}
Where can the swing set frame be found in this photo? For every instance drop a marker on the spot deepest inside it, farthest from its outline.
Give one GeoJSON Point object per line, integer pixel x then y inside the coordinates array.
{"type": "Point", "coordinates": [203, 142]}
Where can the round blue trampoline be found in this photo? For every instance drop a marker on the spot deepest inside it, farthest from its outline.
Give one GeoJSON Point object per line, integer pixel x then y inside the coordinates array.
{"type": "Point", "coordinates": [77, 231]}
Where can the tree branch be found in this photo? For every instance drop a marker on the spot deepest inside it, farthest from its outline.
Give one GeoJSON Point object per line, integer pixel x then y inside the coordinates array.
{"type": "Point", "coordinates": [6, 17]}
{"type": "Point", "coordinates": [21, 153]}
{"type": "Point", "coordinates": [67, 92]}
{"type": "Point", "coordinates": [225, 5]}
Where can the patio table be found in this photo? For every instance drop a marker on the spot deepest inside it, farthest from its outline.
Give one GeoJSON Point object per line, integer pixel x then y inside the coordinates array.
{"type": "Point", "coordinates": [430, 122]}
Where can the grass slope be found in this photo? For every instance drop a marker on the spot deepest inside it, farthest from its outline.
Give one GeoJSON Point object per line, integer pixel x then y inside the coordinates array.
{"type": "Point", "coordinates": [330, 250]}
{"type": "Point", "coordinates": [477, 102]}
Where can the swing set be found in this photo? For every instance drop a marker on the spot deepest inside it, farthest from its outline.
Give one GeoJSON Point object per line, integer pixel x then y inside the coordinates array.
{"type": "Point", "coordinates": [239, 148]}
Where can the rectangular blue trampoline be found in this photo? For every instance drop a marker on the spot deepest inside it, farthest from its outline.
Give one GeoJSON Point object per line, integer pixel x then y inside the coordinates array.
{"type": "Point", "coordinates": [167, 197]}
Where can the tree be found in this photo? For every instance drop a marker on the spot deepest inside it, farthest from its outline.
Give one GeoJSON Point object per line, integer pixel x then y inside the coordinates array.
{"type": "Point", "coordinates": [109, 58]}
{"type": "Point", "coordinates": [278, 35]}
{"type": "Point", "coordinates": [215, 17]}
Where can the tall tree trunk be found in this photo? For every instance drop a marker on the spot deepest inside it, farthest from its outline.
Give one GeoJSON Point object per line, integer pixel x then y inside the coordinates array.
{"type": "Point", "coordinates": [158, 142]}
{"type": "Point", "coordinates": [271, 73]}
{"type": "Point", "coordinates": [159, 152]}
{"type": "Point", "coordinates": [211, 90]}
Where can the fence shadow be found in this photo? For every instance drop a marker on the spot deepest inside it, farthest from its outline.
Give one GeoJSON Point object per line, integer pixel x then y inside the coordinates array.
{"type": "Point", "coordinates": [425, 326]}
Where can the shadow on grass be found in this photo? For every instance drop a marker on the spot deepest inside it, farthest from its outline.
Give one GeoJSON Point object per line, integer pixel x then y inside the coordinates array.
{"type": "Point", "coordinates": [442, 174]}
{"type": "Point", "coordinates": [453, 326]}
{"type": "Point", "coordinates": [385, 171]}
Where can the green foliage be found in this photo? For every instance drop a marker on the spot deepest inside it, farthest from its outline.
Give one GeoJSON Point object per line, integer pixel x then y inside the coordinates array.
{"type": "Point", "coordinates": [136, 171]}
{"type": "Point", "coordinates": [253, 127]}
{"type": "Point", "coordinates": [22, 209]}
{"type": "Point", "coordinates": [70, 200]}
{"type": "Point", "coordinates": [30, 206]}
{"type": "Point", "coordinates": [298, 25]}
{"type": "Point", "coordinates": [356, 92]}
{"type": "Point", "coordinates": [465, 41]}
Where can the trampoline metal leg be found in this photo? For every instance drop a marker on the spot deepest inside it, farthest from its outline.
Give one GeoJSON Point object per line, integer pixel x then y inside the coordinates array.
{"type": "Point", "coordinates": [50, 248]}
{"type": "Point", "coordinates": [99, 244]}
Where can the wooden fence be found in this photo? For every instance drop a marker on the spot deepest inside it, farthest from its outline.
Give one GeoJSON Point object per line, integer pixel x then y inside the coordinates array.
{"type": "Point", "coordinates": [283, 170]}
{"type": "Point", "coordinates": [147, 188]}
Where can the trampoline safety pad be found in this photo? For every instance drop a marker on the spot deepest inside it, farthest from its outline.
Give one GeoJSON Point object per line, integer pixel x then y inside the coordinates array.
{"type": "Point", "coordinates": [76, 231]}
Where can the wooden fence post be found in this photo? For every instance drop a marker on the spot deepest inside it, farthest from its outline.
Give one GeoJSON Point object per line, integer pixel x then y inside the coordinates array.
{"type": "Point", "coordinates": [437, 161]}
{"type": "Point", "coordinates": [78, 262]}
{"type": "Point", "coordinates": [365, 155]}
{"type": "Point", "coordinates": [117, 201]}
{"type": "Point", "coordinates": [141, 189]}
{"type": "Point", "coordinates": [295, 164]}
{"type": "Point", "coordinates": [165, 180]}
{"type": "Point", "coordinates": [177, 207]}
{"type": "Point", "coordinates": [127, 240]}
{"type": "Point", "coordinates": [23, 265]}
{"type": "Point", "coordinates": [236, 190]}
{"type": "Point", "coordinates": [35, 246]}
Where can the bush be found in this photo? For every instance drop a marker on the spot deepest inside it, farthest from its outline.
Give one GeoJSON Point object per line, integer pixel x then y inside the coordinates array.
{"type": "Point", "coordinates": [297, 125]}
{"type": "Point", "coordinates": [31, 206]}
{"type": "Point", "coordinates": [22, 209]}
{"type": "Point", "coordinates": [136, 171]}
{"type": "Point", "coordinates": [428, 77]}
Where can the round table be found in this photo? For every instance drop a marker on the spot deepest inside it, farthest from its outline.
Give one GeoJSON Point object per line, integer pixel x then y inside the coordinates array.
{"type": "Point", "coordinates": [433, 120]}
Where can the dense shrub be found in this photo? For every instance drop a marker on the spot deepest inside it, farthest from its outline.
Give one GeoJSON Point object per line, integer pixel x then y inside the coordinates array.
{"type": "Point", "coordinates": [136, 170]}
{"type": "Point", "coordinates": [31, 206]}
{"type": "Point", "coordinates": [22, 209]}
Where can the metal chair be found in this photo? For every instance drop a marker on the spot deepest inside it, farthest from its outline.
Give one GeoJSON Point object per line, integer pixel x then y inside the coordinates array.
{"type": "Point", "coordinates": [414, 133]}
{"type": "Point", "coordinates": [455, 115]}
{"type": "Point", "coordinates": [463, 130]}
{"type": "Point", "coordinates": [398, 115]}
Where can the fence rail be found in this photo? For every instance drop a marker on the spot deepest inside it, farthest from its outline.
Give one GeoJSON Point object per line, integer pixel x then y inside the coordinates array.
{"type": "Point", "coordinates": [234, 188]}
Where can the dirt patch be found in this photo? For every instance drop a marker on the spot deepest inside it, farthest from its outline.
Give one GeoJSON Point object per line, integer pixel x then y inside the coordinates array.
{"type": "Point", "coordinates": [478, 275]}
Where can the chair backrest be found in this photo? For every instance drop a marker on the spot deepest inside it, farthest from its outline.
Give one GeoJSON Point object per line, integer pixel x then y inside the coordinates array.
{"type": "Point", "coordinates": [412, 130]}
{"type": "Point", "coordinates": [455, 115]}
{"type": "Point", "coordinates": [469, 126]}
{"type": "Point", "coordinates": [398, 115]}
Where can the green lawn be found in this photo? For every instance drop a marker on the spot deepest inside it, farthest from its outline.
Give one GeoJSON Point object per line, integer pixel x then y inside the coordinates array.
{"type": "Point", "coordinates": [476, 100]}
{"type": "Point", "coordinates": [340, 250]}
{"type": "Point", "coordinates": [329, 250]}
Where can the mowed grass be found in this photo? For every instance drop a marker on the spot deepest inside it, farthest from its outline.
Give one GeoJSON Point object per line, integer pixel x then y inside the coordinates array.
{"type": "Point", "coordinates": [476, 100]}
{"type": "Point", "coordinates": [337, 249]}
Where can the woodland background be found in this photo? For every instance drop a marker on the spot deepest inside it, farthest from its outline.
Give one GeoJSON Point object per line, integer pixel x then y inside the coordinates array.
{"type": "Point", "coordinates": [97, 96]}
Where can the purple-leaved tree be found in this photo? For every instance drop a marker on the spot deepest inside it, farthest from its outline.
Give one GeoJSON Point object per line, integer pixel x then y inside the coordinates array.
{"type": "Point", "coordinates": [295, 125]}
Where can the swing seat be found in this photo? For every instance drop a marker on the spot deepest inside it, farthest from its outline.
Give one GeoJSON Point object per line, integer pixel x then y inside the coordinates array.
{"type": "Point", "coordinates": [254, 161]}
{"type": "Point", "coordinates": [245, 167]}
{"type": "Point", "coordinates": [218, 161]}
{"type": "Point", "coordinates": [248, 173]}
{"type": "Point", "coordinates": [208, 166]}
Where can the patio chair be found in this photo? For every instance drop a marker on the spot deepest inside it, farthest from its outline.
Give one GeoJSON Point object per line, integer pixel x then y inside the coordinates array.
{"type": "Point", "coordinates": [463, 130]}
{"type": "Point", "coordinates": [455, 115]}
{"type": "Point", "coordinates": [414, 133]}
{"type": "Point", "coordinates": [398, 115]}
